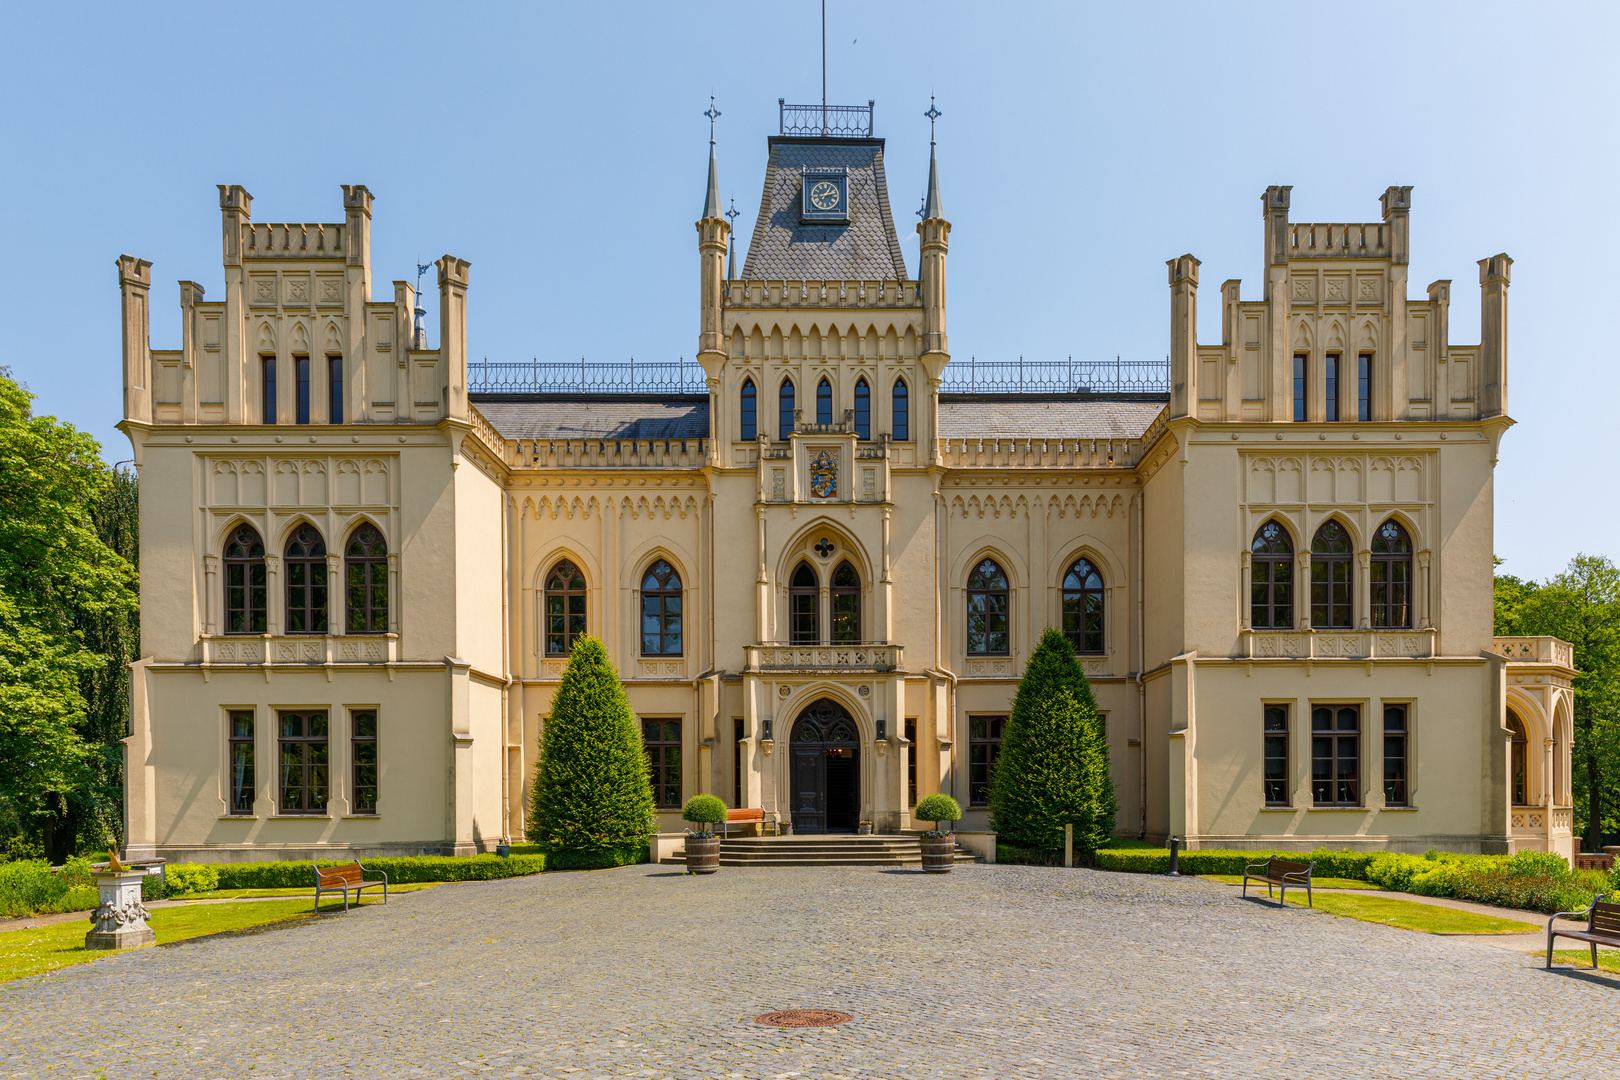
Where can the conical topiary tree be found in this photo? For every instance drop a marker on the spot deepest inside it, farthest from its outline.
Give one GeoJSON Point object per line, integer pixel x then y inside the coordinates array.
{"type": "Point", "coordinates": [591, 789]}
{"type": "Point", "coordinates": [1053, 767]}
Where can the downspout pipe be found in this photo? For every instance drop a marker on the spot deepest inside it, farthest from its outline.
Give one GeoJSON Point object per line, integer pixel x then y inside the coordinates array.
{"type": "Point", "coordinates": [1141, 660]}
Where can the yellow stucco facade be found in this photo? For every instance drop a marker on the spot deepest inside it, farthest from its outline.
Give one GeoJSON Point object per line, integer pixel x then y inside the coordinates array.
{"type": "Point", "coordinates": [821, 609]}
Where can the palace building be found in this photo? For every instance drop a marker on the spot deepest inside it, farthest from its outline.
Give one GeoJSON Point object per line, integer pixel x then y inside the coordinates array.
{"type": "Point", "coordinates": [820, 553]}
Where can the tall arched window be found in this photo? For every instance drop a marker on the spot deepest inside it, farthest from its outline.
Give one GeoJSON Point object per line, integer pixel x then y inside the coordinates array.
{"type": "Point", "coordinates": [244, 582]}
{"type": "Point", "coordinates": [1083, 607]}
{"type": "Point", "coordinates": [846, 605]}
{"type": "Point", "coordinates": [565, 608]}
{"type": "Point", "coordinates": [863, 409]}
{"type": "Point", "coordinates": [804, 606]}
{"type": "Point", "coordinates": [784, 410]}
{"type": "Point", "coordinates": [1391, 577]}
{"type": "Point", "coordinates": [661, 611]}
{"type": "Point", "coordinates": [824, 402]}
{"type": "Point", "coordinates": [1330, 578]}
{"type": "Point", "coordinates": [750, 412]}
{"type": "Point", "coordinates": [365, 577]}
{"type": "Point", "coordinates": [305, 567]}
{"type": "Point", "coordinates": [1518, 761]}
{"type": "Point", "coordinates": [1271, 579]}
{"type": "Point", "coordinates": [901, 413]}
{"type": "Point", "coordinates": [987, 606]}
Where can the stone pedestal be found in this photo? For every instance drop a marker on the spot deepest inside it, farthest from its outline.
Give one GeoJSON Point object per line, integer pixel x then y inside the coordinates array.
{"type": "Point", "coordinates": [120, 919]}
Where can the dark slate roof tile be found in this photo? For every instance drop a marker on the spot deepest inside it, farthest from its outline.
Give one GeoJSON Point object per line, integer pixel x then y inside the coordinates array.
{"type": "Point", "coordinates": [1035, 418]}
{"type": "Point", "coordinates": [597, 419]}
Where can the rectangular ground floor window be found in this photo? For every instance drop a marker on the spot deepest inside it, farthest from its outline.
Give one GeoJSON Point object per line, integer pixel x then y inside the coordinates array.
{"type": "Point", "coordinates": [911, 761]}
{"type": "Point", "coordinates": [1276, 755]}
{"type": "Point", "coordinates": [737, 762]}
{"type": "Point", "coordinates": [662, 740]}
{"type": "Point", "coordinates": [305, 762]}
{"type": "Point", "coordinates": [984, 750]}
{"type": "Point", "coordinates": [241, 749]}
{"type": "Point", "coordinates": [1395, 734]}
{"type": "Point", "coordinates": [364, 740]}
{"type": "Point", "coordinates": [1336, 755]}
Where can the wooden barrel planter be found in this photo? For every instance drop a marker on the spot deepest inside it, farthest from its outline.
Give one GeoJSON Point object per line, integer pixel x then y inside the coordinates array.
{"type": "Point", "coordinates": [702, 856]}
{"type": "Point", "coordinates": [938, 856]}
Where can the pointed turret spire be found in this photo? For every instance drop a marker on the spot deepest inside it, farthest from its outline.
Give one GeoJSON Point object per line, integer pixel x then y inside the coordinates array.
{"type": "Point", "coordinates": [731, 243]}
{"type": "Point", "coordinates": [932, 208]}
{"type": "Point", "coordinates": [711, 200]}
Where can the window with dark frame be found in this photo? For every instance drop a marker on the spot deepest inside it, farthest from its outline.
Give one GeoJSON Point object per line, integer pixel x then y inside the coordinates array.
{"type": "Point", "coordinates": [737, 762]}
{"type": "Point", "coordinates": [911, 761]}
{"type": "Point", "coordinates": [241, 750]}
{"type": "Point", "coordinates": [301, 369]}
{"type": "Point", "coordinates": [863, 409]}
{"type": "Point", "coordinates": [846, 605]}
{"type": "Point", "coordinates": [804, 606]}
{"type": "Point", "coordinates": [1271, 579]}
{"type": "Point", "coordinates": [784, 410]}
{"type": "Point", "coordinates": [1331, 577]}
{"type": "Point", "coordinates": [305, 761]}
{"type": "Point", "coordinates": [1277, 790]}
{"type": "Point", "coordinates": [267, 370]}
{"type": "Point", "coordinates": [334, 389]}
{"type": "Point", "coordinates": [984, 751]}
{"type": "Point", "coordinates": [900, 413]}
{"type": "Point", "coordinates": [1300, 389]}
{"type": "Point", "coordinates": [305, 565]}
{"type": "Point", "coordinates": [662, 740]}
{"type": "Point", "coordinates": [1390, 572]}
{"type": "Point", "coordinates": [1518, 760]}
{"type": "Point", "coordinates": [988, 602]}
{"type": "Point", "coordinates": [1395, 735]}
{"type": "Point", "coordinates": [565, 607]}
{"type": "Point", "coordinates": [1330, 400]}
{"type": "Point", "coordinates": [363, 738]}
{"type": "Point", "coordinates": [245, 590]}
{"type": "Point", "coordinates": [824, 402]}
{"type": "Point", "coordinates": [1336, 755]}
{"type": "Point", "coordinates": [365, 577]}
{"type": "Point", "coordinates": [1083, 597]}
{"type": "Point", "coordinates": [1364, 387]}
{"type": "Point", "coordinates": [661, 611]}
{"type": "Point", "coordinates": [750, 411]}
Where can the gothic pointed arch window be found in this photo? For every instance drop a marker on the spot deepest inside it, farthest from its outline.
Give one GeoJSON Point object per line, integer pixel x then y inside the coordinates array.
{"type": "Point", "coordinates": [661, 611]}
{"type": "Point", "coordinates": [784, 409]}
{"type": "Point", "coordinates": [1331, 577]}
{"type": "Point", "coordinates": [565, 607]}
{"type": "Point", "coordinates": [365, 579]}
{"type": "Point", "coordinates": [804, 606]}
{"type": "Point", "coordinates": [1518, 760]}
{"type": "Point", "coordinates": [824, 402]}
{"type": "Point", "coordinates": [1271, 579]}
{"type": "Point", "coordinates": [846, 605]}
{"type": "Point", "coordinates": [1391, 573]}
{"type": "Point", "coordinates": [1083, 598]}
{"type": "Point", "coordinates": [244, 582]}
{"type": "Point", "coordinates": [900, 413]}
{"type": "Point", "coordinates": [304, 563]}
{"type": "Point", "coordinates": [863, 409]}
{"type": "Point", "coordinates": [750, 412]}
{"type": "Point", "coordinates": [988, 603]}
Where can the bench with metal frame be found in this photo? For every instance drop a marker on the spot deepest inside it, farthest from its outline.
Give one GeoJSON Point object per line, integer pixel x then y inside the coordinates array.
{"type": "Point", "coordinates": [1602, 928]}
{"type": "Point", "coordinates": [1280, 873]}
{"type": "Point", "coordinates": [752, 817]}
{"type": "Point", "coordinates": [329, 879]}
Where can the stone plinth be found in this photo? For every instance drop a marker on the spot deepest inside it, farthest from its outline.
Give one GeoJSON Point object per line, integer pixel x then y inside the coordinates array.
{"type": "Point", "coordinates": [120, 919]}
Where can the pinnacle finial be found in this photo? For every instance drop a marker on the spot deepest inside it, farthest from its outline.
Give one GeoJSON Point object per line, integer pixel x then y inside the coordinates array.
{"type": "Point", "coordinates": [731, 242]}
{"type": "Point", "coordinates": [932, 207]}
{"type": "Point", "coordinates": [932, 114]}
{"type": "Point", "coordinates": [711, 199]}
{"type": "Point", "coordinates": [713, 114]}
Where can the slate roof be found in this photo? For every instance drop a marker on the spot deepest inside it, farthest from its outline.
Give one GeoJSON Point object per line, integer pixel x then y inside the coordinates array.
{"type": "Point", "coordinates": [866, 249]}
{"type": "Point", "coordinates": [1034, 417]}
{"type": "Point", "coordinates": [598, 417]}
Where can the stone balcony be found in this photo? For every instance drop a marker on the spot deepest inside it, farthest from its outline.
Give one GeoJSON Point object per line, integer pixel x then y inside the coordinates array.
{"type": "Point", "coordinates": [1535, 650]}
{"type": "Point", "coordinates": [867, 657]}
{"type": "Point", "coordinates": [300, 650]}
{"type": "Point", "coordinates": [1338, 645]}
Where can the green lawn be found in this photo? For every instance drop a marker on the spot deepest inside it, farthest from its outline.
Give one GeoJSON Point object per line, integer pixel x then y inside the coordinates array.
{"type": "Point", "coordinates": [1608, 959]}
{"type": "Point", "coordinates": [48, 948]}
{"type": "Point", "coordinates": [1320, 882]}
{"type": "Point", "coordinates": [1410, 915]}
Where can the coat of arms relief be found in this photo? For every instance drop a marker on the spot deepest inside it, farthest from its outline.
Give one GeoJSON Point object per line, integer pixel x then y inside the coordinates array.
{"type": "Point", "coordinates": [824, 475]}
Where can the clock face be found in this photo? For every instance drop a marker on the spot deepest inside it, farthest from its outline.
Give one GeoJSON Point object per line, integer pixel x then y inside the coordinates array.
{"type": "Point", "coordinates": [824, 195]}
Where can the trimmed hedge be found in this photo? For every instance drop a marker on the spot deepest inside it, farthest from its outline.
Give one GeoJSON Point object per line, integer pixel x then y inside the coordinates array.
{"type": "Point", "coordinates": [1345, 864]}
{"type": "Point", "coordinates": [1017, 856]}
{"type": "Point", "coordinates": [297, 875]}
{"type": "Point", "coordinates": [597, 860]}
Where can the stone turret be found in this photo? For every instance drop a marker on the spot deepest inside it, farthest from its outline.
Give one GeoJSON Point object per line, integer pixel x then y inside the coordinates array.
{"type": "Point", "coordinates": [714, 240]}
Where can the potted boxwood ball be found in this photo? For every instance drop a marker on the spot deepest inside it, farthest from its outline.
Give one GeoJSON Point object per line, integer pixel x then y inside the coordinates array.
{"type": "Point", "coordinates": [702, 846]}
{"type": "Point", "coordinates": [938, 845]}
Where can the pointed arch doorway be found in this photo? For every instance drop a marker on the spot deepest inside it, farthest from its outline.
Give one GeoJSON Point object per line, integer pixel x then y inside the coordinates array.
{"type": "Point", "coordinates": [826, 764]}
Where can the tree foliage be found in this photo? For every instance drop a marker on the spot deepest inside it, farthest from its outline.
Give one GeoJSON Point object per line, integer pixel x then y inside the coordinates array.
{"type": "Point", "coordinates": [591, 789]}
{"type": "Point", "coordinates": [1582, 606]}
{"type": "Point", "coordinates": [1053, 767]}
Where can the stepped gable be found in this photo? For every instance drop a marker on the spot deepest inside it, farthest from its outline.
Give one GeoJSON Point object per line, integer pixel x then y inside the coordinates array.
{"type": "Point", "coordinates": [784, 249]}
{"type": "Point", "coordinates": [592, 417]}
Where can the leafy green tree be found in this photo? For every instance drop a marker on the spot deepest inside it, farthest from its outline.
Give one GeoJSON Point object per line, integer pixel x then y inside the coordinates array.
{"type": "Point", "coordinates": [1053, 767]}
{"type": "Point", "coordinates": [592, 791]}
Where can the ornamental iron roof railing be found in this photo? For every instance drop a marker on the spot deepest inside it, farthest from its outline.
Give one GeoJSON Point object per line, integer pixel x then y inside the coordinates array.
{"type": "Point", "coordinates": [1068, 376]}
{"type": "Point", "coordinates": [837, 121]}
{"type": "Point", "coordinates": [681, 376]}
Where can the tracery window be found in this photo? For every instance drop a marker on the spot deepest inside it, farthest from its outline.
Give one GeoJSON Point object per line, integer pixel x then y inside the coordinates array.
{"type": "Point", "coordinates": [365, 569]}
{"type": "Point", "coordinates": [863, 409]}
{"type": "Point", "coordinates": [305, 566]}
{"type": "Point", "coordinates": [565, 608]}
{"type": "Point", "coordinates": [750, 411]}
{"type": "Point", "coordinates": [987, 609]}
{"type": "Point", "coordinates": [244, 582]}
{"type": "Point", "coordinates": [1083, 607]}
{"type": "Point", "coordinates": [846, 605]}
{"type": "Point", "coordinates": [661, 611]}
{"type": "Point", "coordinates": [824, 402]}
{"type": "Point", "coordinates": [1391, 572]}
{"type": "Point", "coordinates": [784, 410]}
{"type": "Point", "coordinates": [901, 412]}
{"type": "Point", "coordinates": [1330, 578]}
{"type": "Point", "coordinates": [804, 606]}
{"type": "Point", "coordinates": [1271, 579]}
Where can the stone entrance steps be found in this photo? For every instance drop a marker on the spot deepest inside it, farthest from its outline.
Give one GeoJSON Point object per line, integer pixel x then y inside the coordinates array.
{"type": "Point", "coordinates": [827, 850]}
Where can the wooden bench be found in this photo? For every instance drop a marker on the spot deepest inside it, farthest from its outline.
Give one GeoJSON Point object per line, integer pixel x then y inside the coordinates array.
{"type": "Point", "coordinates": [752, 817]}
{"type": "Point", "coordinates": [1281, 873]}
{"type": "Point", "coordinates": [1602, 928]}
{"type": "Point", "coordinates": [343, 878]}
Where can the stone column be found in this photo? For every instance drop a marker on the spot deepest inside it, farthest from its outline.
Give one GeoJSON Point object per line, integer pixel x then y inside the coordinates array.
{"type": "Point", "coordinates": [336, 621]}
{"type": "Point", "coordinates": [210, 594]}
{"type": "Point", "coordinates": [273, 600]}
{"type": "Point", "coordinates": [120, 919]}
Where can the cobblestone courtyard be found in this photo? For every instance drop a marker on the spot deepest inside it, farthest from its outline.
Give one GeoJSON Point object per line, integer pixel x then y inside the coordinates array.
{"type": "Point", "coordinates": [991, 971]}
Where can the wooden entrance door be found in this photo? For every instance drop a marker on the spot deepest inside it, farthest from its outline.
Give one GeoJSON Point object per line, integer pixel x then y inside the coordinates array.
{"type": "Point", "coordinates": [825, 769]}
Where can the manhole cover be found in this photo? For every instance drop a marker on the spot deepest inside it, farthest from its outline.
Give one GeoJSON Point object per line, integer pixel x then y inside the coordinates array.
{"type": "Point", "coordinates": [803, 1018]}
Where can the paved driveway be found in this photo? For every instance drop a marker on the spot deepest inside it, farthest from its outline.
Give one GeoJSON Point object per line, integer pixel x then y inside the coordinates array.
{"type": "Point", "coordinates": [992, 971]}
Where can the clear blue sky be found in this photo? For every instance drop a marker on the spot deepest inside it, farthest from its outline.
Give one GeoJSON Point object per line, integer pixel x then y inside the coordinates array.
{"type": "Point", "coordinates": [561, 149]}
